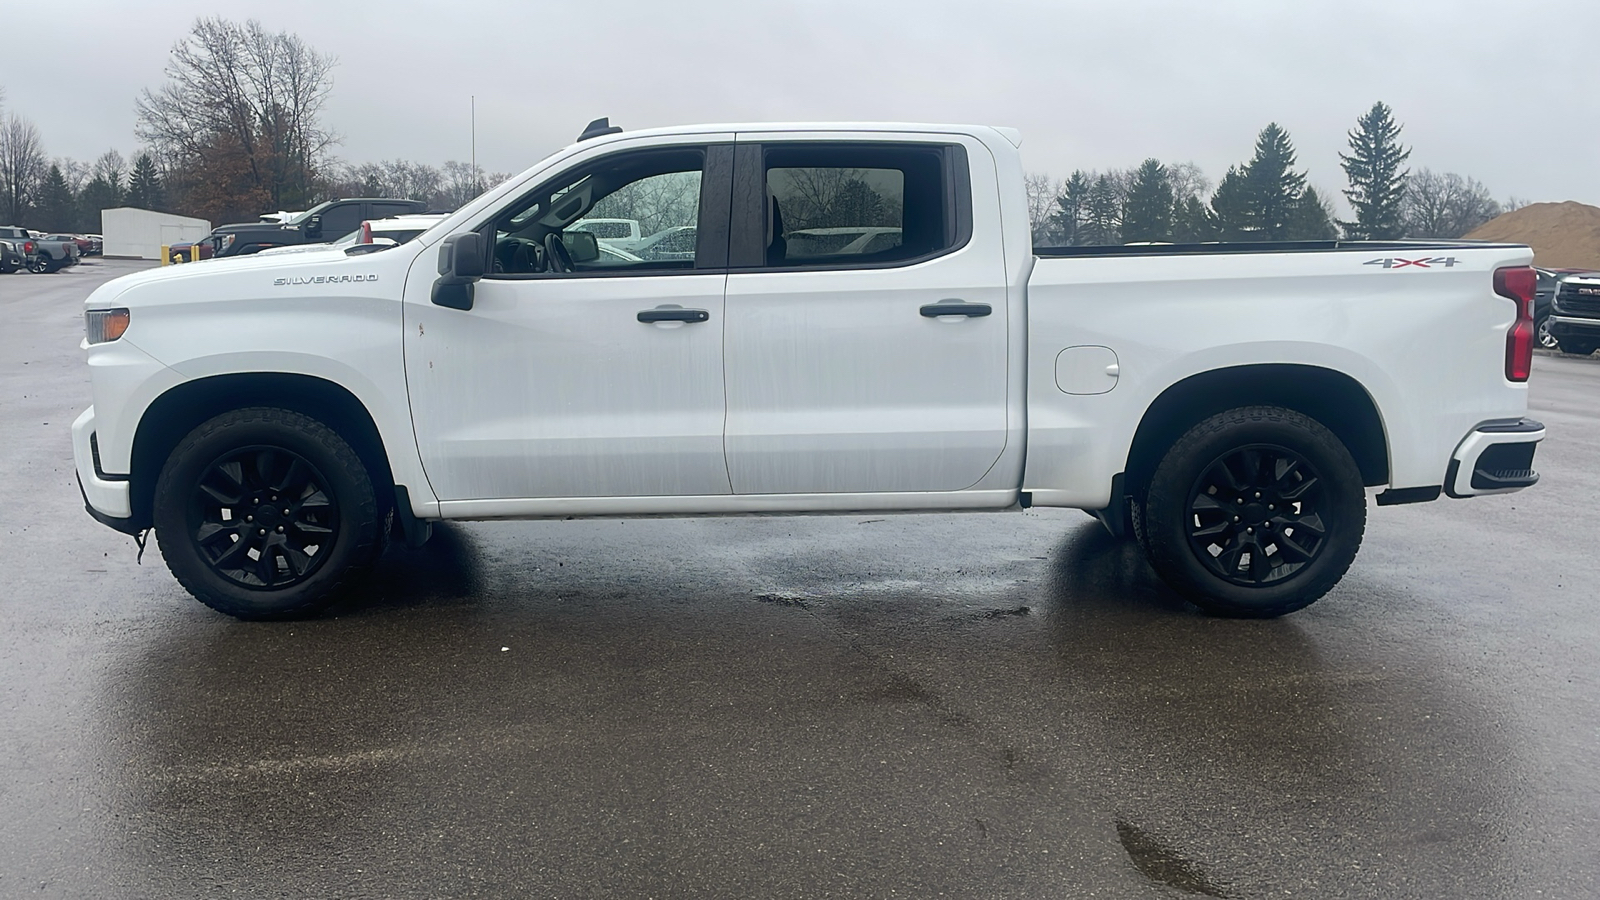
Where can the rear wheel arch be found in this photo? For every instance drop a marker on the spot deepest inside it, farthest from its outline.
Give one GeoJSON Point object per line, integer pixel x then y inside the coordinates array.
{"type": "Point", "coordinates": [1332, 398]}
{"type": "Point", "coordinates": [185, 407]}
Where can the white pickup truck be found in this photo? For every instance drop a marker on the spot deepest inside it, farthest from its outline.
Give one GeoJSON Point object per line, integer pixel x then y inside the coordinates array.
{"type": "Point", "coordinates": [276, 420]}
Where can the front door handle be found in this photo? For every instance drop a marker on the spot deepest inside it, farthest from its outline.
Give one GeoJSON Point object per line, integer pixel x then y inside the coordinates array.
{"type": "Point", "coordinates": [674, 314]}
{"type": "Point", "coordinates": [956, 308]}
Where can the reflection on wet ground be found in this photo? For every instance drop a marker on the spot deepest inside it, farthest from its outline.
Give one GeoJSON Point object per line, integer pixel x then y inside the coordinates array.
{"type": "Point", "coordinates": [965, 705]}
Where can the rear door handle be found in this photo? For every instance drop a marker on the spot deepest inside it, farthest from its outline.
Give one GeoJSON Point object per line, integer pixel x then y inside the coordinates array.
{"type": "Point", "coordinates": [674, 314]}
{"type": "Point", "coordinates": [956, 308]}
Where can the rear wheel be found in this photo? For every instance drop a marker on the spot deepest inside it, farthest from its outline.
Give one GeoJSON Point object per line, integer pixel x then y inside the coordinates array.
{"type": "Point", "coordinates": [1255, 512]}
{"type": "Point", "coordinates": [266, 514]}
{"type": "Point", "coordinates": [39, 265]}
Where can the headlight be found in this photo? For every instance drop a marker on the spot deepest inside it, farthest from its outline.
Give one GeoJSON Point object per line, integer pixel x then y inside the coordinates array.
{"type": "Point", "coordinates": [227, 240]}
{"type": "Point", "coordinates": [104, 325]}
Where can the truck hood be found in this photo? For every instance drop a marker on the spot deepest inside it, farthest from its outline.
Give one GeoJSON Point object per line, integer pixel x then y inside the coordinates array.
{"type": "Point", "coordinates": [243, 276]}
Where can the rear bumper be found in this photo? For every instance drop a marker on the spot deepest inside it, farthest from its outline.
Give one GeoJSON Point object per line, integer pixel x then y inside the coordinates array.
{"type": "Point", "coordinates": [1496, 458]}
{"type": "Point", "coordinates": [108, 498]}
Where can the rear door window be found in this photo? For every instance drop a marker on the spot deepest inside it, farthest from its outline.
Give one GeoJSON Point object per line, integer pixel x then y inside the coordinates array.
{"type": "Point", "coordinates": [855, 205]}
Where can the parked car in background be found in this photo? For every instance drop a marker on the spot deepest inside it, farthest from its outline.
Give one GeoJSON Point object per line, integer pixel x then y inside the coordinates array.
{"type": "Point", "coordinates": [677, 242]}
{"type": "Point", "coordinates": [11, 257]}
{"type": "Point", "coordinates": [84, 244]}
{"type": "Point", "coordinates": [41, 254]}
{"type": "Point", "coordinates": [321, 224]}
{"type": "Point", "coordinates": [97, 244]}
{"type": "Point", "coordinates": [829, 241]}
{"type": "Point", "coordinates": [1574, 319]}
{"type": "Point", "coordinates": [400, 228]}
{"type": "Point", "coordinates": [623, 234]}
{"type": "Point", "coordinates": [191, 251]}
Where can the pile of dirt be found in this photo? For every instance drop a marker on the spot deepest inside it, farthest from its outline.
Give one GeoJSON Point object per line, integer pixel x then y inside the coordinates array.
{"type": "Point", "coordinates": [1562, 235]}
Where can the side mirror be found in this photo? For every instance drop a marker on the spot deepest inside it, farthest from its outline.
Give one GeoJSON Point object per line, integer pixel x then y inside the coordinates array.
{"type": "Point", "coordinates": [582, 245]}
{"type": "Point", "coordinates": [461, 264]}
{"type": "Point", "coordinates": [314, 227]}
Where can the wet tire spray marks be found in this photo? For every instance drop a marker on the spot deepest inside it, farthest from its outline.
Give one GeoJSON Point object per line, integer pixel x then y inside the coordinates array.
{"type": "Point", "coordinates": [1161, 863]}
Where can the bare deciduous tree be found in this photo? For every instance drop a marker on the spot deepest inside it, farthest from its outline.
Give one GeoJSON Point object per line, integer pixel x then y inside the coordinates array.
{"type": "Point", "coordinates": [1445, 205]}
{"type": "Point", "coordinates": [241, 111]}
{"type": "Point", "coordinates": [1042, 192]}
{"type": "Point", "coordinates": [22, 167]}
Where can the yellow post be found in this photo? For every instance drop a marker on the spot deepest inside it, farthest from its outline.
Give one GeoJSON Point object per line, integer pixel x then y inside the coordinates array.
{"type": "Point", "coordinates": [164, 251]}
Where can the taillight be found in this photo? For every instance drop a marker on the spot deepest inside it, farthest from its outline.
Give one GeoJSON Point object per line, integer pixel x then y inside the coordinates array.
{"type": "Point", "coordinates": [1518, 284]}
{"type": "Point", "coordinates": [27, 248]}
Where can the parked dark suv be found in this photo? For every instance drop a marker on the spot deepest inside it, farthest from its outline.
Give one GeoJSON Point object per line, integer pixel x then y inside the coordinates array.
{"type": "Point", "coordinates": [1574, 320]}
{"type": "Point", "coordinates": [320, 224]}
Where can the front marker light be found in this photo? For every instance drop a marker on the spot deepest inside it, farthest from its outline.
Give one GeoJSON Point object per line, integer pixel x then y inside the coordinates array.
{"type": "Point", "coordinates": [104, 325]}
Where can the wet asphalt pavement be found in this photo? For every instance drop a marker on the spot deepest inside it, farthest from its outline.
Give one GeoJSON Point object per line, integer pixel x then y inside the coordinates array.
{"type": "Point", "coordinates": [980, 705]}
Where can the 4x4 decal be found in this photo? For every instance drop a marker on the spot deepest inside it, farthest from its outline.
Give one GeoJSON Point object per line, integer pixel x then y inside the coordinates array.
{"type": "Point", "coordinates": [1427, 262]}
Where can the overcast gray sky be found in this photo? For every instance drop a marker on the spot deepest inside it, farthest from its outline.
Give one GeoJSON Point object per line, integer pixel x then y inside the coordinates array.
{"type": "Point", "coordinates": [1505, 92]}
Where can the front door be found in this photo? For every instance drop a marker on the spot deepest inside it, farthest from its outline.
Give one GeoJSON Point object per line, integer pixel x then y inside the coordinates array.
{"type": "Point", "coordinates": [866, 333]}
{"type": "Point", "coordinates": [581, 370]}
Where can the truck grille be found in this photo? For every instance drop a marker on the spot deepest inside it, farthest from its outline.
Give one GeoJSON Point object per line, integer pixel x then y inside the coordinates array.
{"type": "Point", "coordinates": [1580, 301]}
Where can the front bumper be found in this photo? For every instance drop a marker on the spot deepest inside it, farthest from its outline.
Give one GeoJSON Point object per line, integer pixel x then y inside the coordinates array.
{"type": "Point", "coordinates": [1496, 458]}
{"type": "Point", "coordinates": [1574, 325]}
{"type": "Point", "coordinates": [109, 498]}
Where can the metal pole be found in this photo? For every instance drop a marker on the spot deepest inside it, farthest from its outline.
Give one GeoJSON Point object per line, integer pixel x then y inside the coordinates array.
{"type": "Point", "coordinates": [474, 141]}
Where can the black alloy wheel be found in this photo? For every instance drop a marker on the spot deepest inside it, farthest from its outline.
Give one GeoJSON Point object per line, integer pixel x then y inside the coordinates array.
{"type": "Point", "coordinates": [267, 513]}
{"type": "Point", "coordinates": [1254, 512]}
{"type": "Point", "coordinates": [1255, 515]}
{"type": "Point", "coordinates": [263, 517]}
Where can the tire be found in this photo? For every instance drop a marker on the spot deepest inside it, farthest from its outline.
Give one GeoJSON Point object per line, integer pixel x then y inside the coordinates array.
{"type": "Point", "coordinates": [39, 265]}
{"type": "Point", "coordinates": [1577, 346]}
{"type": "Point", "coordinates": [218, 499]}
{"type": "Point", "coordinates": [1541, 332]}
{"type": "Point", "coordinates": [1258, 478]}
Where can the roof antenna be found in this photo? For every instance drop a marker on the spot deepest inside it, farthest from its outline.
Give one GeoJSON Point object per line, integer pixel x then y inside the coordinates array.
{"type": "Point", "coordinates": [599, 127]}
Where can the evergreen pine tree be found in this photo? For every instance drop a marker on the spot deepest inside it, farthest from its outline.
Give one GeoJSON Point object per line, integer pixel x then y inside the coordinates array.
{"type": "Point", "coordinates": [1103, 220]}
{"type": "Point", "coordinates": [57, 210]}
{"type": "Point", "coordinates": [1272, 187]}
{"type": "Point", "coordinates": [1377, 184]}
{"type": "Point", "coordinates": [1193, 222]}
{"type": "Point", "coordinates": [144, 185]}
{"type": "Point", "coordinates": [1148, 215]}
{"type": "Point", "coordinates": [1311, 219]}
{"type": "Point", "coordinates": [98, 195]}
{"type": "Point", "coordinates": [1230, 208]}
{"type": "Point", "coordinates": [1072, 209]}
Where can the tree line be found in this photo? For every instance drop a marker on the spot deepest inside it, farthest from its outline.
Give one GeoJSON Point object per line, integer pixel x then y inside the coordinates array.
{"type": "Point", "coordinates": [237, 130]}
{"type": "Point", "coordinates": [1262, 199]}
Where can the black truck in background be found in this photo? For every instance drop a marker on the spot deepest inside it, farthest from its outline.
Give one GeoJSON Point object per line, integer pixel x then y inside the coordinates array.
{"type": "Point", "coordinates": [321, 224]}
{"type": "Point", "coordinates": [1574, 320]}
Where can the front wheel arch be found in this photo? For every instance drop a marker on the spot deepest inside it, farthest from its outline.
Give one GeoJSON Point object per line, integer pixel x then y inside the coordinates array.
{"type": "Point", "coordinates": [180, 410]}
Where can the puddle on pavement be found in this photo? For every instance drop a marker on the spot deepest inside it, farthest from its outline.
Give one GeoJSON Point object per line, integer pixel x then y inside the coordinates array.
{"type": "Point", "coordinates": [1160, 863]}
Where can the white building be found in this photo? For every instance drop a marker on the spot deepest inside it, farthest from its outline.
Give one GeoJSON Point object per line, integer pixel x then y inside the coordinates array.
{"type": "Point", "coordinates": [141, 233]}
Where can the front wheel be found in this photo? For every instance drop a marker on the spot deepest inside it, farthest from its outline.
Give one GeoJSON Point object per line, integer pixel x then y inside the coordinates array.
{"type": "Point", "coordinates": [264, 513]}
{"type": "Point", "coordinates": [1255, 512]}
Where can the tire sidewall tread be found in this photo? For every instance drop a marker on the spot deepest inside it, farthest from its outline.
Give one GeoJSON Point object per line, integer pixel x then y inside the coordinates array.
{"type": "Point", "coordinates": [1165, 511]}
{"type": "Point", "coordinates": [359, 542]}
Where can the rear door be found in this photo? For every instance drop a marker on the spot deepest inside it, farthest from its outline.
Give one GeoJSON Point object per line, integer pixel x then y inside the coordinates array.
{"type": "Point", "coordinates": [866, 318]}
